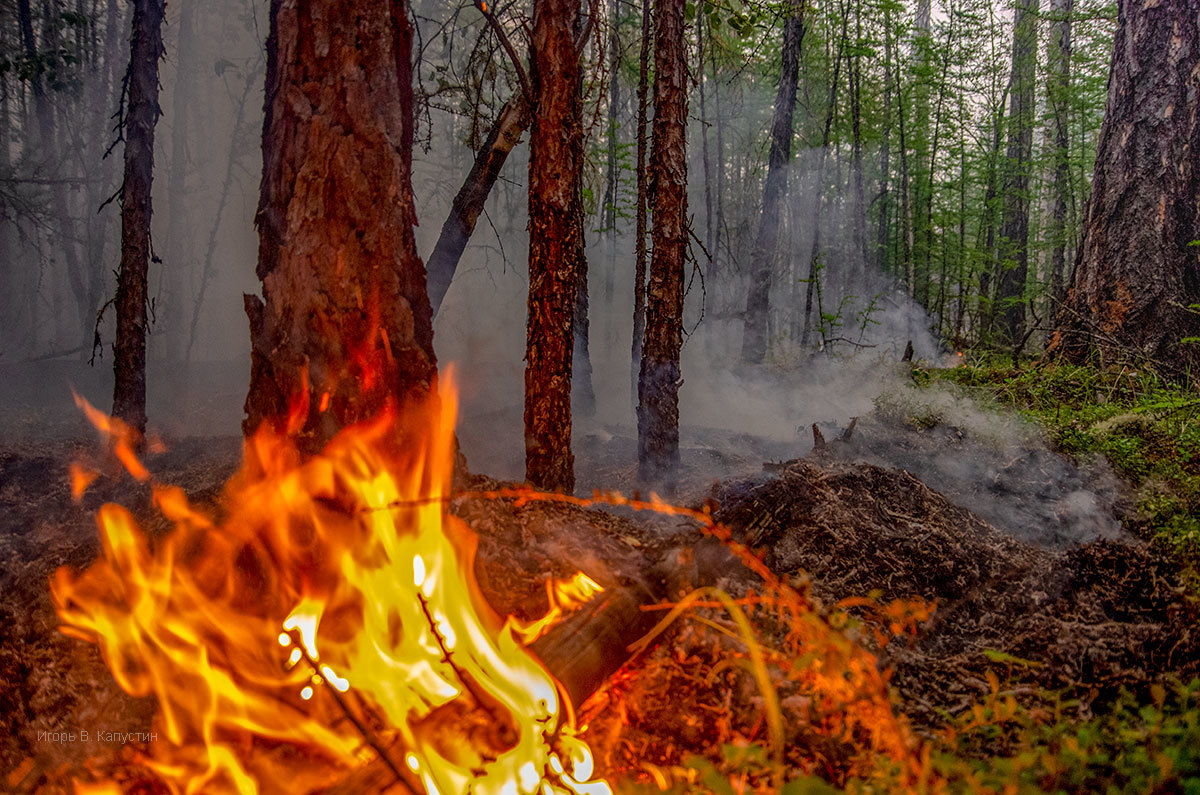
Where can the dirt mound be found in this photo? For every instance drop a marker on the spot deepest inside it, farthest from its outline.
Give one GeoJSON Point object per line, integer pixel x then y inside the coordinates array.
{"type": "Point", "coordinates": [1090, 619]}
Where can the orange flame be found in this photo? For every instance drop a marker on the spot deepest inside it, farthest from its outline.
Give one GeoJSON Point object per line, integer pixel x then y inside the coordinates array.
{"type": "Point", "coordinates": [563, 596]}
{"type": "Point", "coordinates": [124, 440]}
{"type": "Point", "coordinates": [332, 605]}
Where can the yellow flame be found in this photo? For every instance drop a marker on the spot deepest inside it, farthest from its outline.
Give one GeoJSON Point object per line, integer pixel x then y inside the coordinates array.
{"type": "Point", "coordinates": [329, 586]}
{"type": "Point", "coordinates": [562, 596]}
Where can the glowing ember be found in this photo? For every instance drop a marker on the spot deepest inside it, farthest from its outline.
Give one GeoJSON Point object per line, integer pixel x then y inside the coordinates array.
{"type": "Point", "coordinates": [331, 614]}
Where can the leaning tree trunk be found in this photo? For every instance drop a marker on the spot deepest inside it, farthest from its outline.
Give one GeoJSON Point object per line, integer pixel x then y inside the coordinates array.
{"type": "Point", "coordinates": [346, 318]}
{"type": "Point", "coordinates": [129, 348]}
{"type": "Point", "coordinates": [1137, 274]}
{"type": "Point", "coordinates": [1013, 263]}
{"type": "Point", "coordinates": [758, 297]}
{"type": "Point", "coordinates": [468, 203]}
{"type": "Point", "coordinates": [658, 380]}
{"type": "Point", "coordinates": [555, 232]}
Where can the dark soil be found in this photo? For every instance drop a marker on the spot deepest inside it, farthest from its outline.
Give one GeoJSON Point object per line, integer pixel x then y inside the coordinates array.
{"type": "Point", "coordinates": [1089, 618]}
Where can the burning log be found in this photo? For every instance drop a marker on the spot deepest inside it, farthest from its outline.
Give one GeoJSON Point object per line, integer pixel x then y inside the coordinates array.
{"type": "Point", "coordinates": [586, 649]}
{"type": "Point", "coordinates": [582, 652]}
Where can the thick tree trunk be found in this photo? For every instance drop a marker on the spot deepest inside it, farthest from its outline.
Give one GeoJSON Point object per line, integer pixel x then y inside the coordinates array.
{"type": "Point", "coordinates": [505, 133]}
{"type": "Point", "coordinates": [1137, 273]}
{"type": "Point", "coordinates": [1014, 227]}
{"type": "Point", "coordinates": [766, 242]}
{"type": "Point", "coordinates": [346, 317]}
{"type": "Point", "coordinates": [658, 380]}
{"type": "Point", "coordinates": [1059, 88]}
{"type": "Point", "coordinates": [141, 115]}
{"type": "Point", "coordinates": [555, 244]}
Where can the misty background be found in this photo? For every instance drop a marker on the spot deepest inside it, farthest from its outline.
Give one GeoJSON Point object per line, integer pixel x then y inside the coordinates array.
{"type": "Point", "coordinates": [59, 245]}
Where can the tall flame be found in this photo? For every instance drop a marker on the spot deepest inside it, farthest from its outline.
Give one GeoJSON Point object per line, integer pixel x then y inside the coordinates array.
{"type": "Point", "coordinates": [332, 604]}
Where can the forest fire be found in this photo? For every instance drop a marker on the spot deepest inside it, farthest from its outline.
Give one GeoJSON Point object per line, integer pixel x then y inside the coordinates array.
{"type": "Point", "coordinates": [330, 608]}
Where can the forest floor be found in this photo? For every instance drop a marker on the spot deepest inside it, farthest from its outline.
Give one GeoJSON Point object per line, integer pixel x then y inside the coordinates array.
{"type": "Point", "coordinates": [1033, 604]}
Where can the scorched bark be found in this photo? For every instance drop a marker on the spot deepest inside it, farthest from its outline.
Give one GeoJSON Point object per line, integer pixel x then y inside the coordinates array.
{"type": "Point", "coordinates": [345, 326]}
{"type": "Point", "coordinates": [1137, 273]}
{"type": "Point", "coordinates": [129, 348]}
{"type": "Point", "coordinates": [555, 232]}
{"type": "Point", "coordinates": [658, 380]}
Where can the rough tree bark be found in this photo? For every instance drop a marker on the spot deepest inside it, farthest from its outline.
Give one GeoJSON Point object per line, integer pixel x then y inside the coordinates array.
{"type": "Point", "coordinates": [555, 231]}
{"type": "Point", "coordinates": [766, 242]}
{"type": "Point", "coordinates": [583, 395]}
{"type": "Point", "coordinates": [1137, 273]}
{"type": "Point", "coordinates": [658, 380]}
{"type": "Point", "coordinates": [346, 317]}
{"type": "Point", "coordinates": [1013, 262]}
{"type": "Point", "coordinates": [141, 115]}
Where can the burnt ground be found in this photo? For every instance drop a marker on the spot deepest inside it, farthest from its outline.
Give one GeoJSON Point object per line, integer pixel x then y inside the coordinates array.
{"type": "Point", "coordinates": [1086, 618]}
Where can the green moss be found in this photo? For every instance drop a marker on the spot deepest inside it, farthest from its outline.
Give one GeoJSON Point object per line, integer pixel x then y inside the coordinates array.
{"type": "Point", "coordinates": [1147, 428]}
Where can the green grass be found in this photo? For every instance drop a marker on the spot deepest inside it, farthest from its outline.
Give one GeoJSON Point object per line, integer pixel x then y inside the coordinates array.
{"type": "Point", "coordinates": [1149, 430]}
{"type": "Point", "coordinates": [1132, 747]}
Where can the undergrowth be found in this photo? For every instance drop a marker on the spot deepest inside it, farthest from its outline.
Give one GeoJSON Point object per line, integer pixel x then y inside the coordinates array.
{"type": "Point", "coordinates": [1149, 429]}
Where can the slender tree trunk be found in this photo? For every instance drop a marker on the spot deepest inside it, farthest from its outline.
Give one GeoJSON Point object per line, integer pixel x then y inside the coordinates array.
{"type": "Point", "coordinates": [141, 115]}
{"type": "Point", "coordinates": [814, 259]}
{"type": "Point", "coordinates": [930, 174]}
{"type": "Point", "coordinates": [1059, 95]}
{"type": "Point", "coordinates": [1013, 262]}
{"type": "Point", "coordinates": [555, 231]}
{"type": "Point", "coordinates": [860, 207]}
{"type": "Point", "coordinates": [963, 261]}
{"type": "Point", "coordinates": [639, 245]}
{"type": "Point", "coordinates": [986, 239]}
{"type": "Point", "coordinates": [920, 160]}
{"type": "Point", "coordinates": [719, 160]}
{"type": "Point", "coordinates": [658, 381]}
{"type": "Point", "coordinates": [1137, 274]}
{"type": "Point", "coordinates": [49, 160]}
{"type": "Point", "coordinates": [505, 133]}
{"type": "Point", "coordinates": [345, 329]}
{"type": "Point", "coordinates": [882, 233]}
{"type": "Point", "coordinates": [766, 243]}
{"type": "Point", "coordinates": [706, 164]}
{"type": "Point", "coordinates": [905, 236]}
{"type": "Point", "coordinates": [207, 270]}
{"type": "Point", "coordinates": [179, 260]}
{"type": "Point", "coordinates": [613, 178]}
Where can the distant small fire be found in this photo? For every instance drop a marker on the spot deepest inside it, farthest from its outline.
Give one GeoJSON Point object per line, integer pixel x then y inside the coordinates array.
{"type": "Point", "coordinates": [327, 618]}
